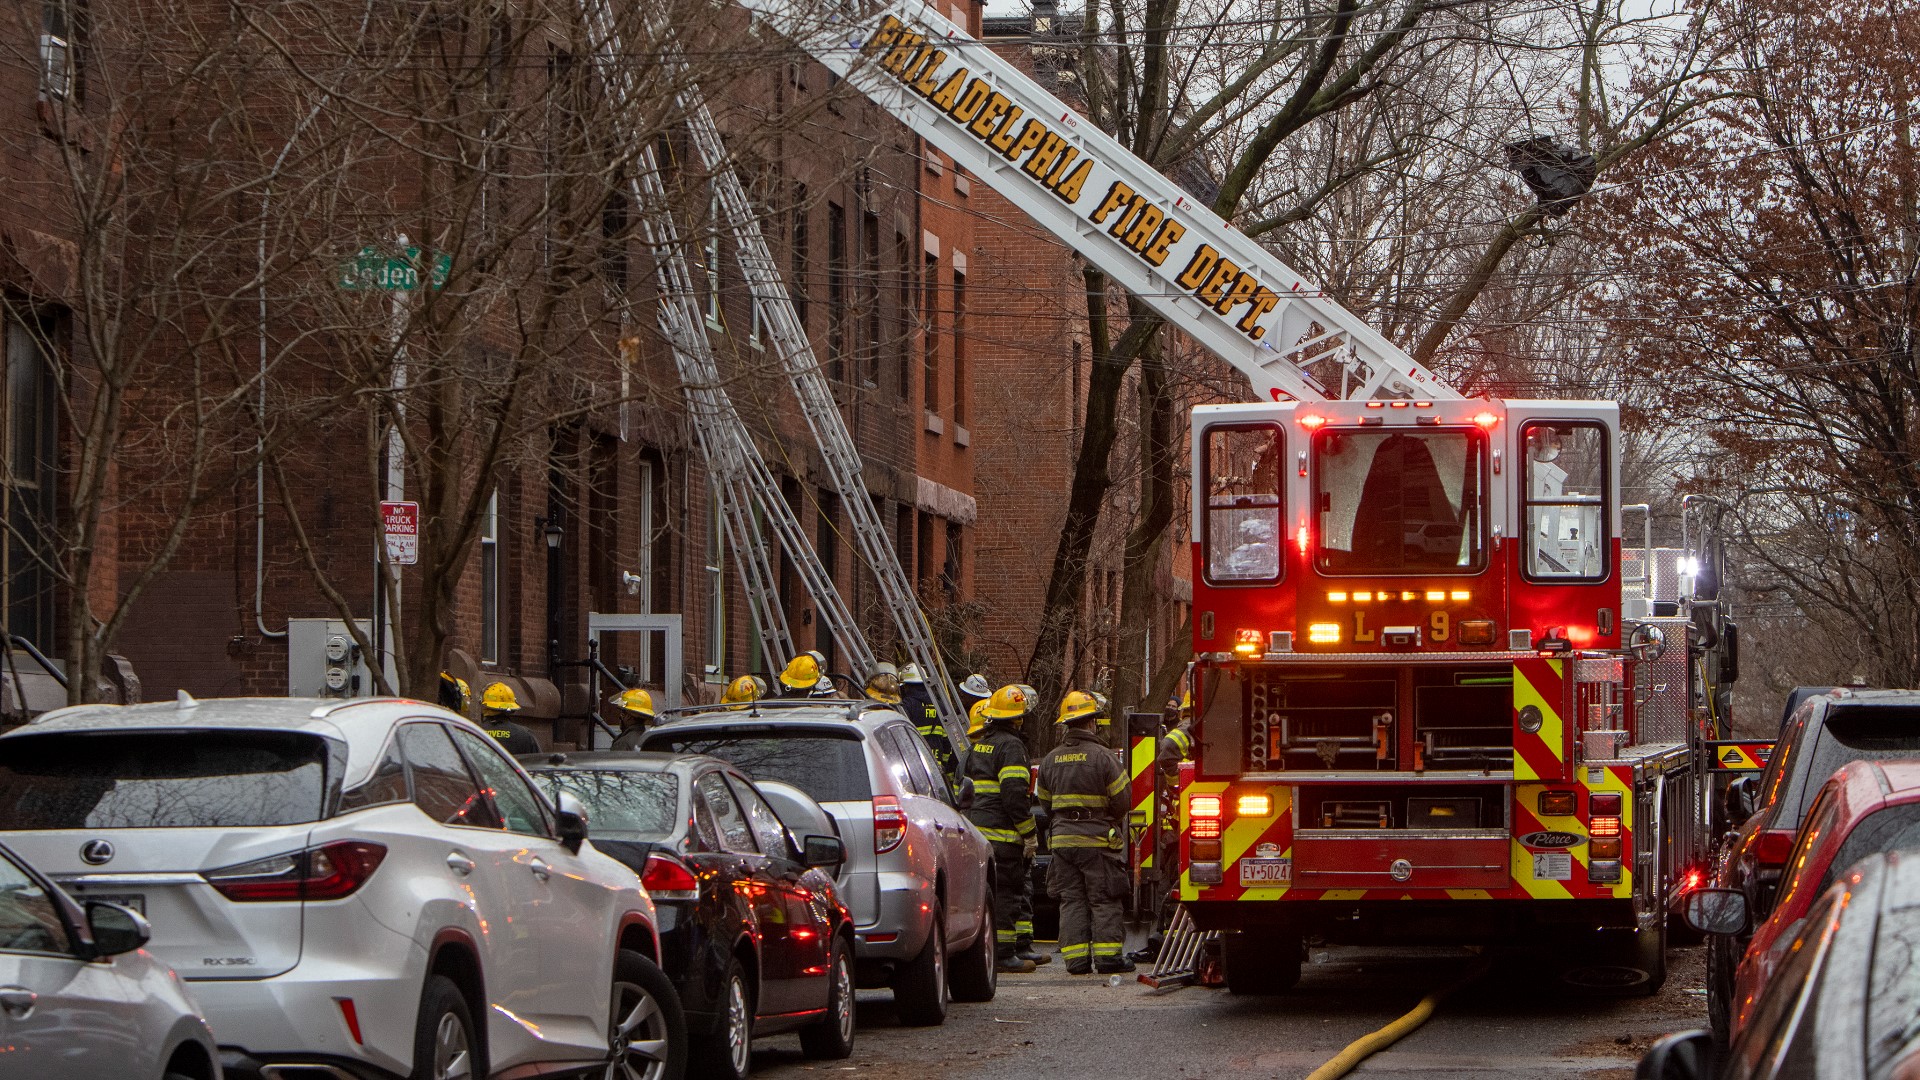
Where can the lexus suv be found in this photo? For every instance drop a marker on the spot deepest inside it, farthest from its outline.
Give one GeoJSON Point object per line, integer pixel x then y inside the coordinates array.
{"type": "Point", "coordinates": [352, 889]}
{"type": "Point", "coordinates": [918, 875]}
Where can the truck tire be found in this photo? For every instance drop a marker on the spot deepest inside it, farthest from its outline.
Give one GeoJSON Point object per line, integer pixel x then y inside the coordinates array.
{"type": "Point", "coordinates": [1260, 961]}
{"type": "Point", "coordinates": [1621, 962]}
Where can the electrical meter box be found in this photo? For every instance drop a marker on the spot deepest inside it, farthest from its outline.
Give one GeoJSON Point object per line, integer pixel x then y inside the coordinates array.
{"type": "Point", "coordinates": [324, 661]}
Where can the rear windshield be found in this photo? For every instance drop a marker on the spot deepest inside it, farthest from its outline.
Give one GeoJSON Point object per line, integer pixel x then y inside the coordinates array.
{"type": "Point", "coordinates": [830, 766]}
{"type": "Point", "coordinates": [621, 804]}
{"type": "Point", "coordinates": [1852, 733]}
{"type": "Point", "coordinates": [162, 780]}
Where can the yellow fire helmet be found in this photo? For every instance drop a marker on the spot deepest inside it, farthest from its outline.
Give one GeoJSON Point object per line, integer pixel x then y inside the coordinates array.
{"type": "Point", "coordinates": [1186, 703]}
{"type": "Point", "coordinates": [976, 717]}
{"type": "Point", "coordinates": [1007, 703]}
{"type": "Point", "coordinates": [744, 689]}
{"type": "Point", "coordinates": [499, 698]}
{"type": "Point", "coordinates": [636, 701]}
{"type": "Point", "coordinates": [802, 674]}
{"type": "Point", "coordinates": [884, 684]}
{"type": "Point", "coordinates": [1075, 706]}
{"type": "Point", "coordinates": [459, 686]}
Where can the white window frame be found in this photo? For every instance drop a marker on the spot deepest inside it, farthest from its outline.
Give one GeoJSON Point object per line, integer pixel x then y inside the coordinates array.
{"type": "Point", "coordinates": [490, 581]}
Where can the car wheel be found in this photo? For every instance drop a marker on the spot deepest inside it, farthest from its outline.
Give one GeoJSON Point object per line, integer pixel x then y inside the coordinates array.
{"type": "Point", "coordinates": [1260, 962]}
{"type": "Point", "coordinates": [920, 990]}
{"type": "Point", "coordinates": [726, 1052]}
{"type": "Point", "coordinates": [975, 976]}
{"type": "Point", "coordinates": [445, 1046]}
{"type": "Point", "coordinates": [647, 1036]}
{"type": "Point", "coordinates": [831, 1037]}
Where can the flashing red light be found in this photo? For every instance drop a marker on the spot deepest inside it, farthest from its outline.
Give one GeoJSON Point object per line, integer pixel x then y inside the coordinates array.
{"type": "Point", "coordinates": [1313, 421]}
{"type": "Point", "coordinates": [1580, 636]}
{"type": "Point", "coordinates": [1486, 419]}
{"type": "Point", "coordinates": [889, 824]}
{"type": "Point", "coordinates": [1772, 847]}
{"type": "Point", "coordinates": [1304, 538]}
{"type": "Point", "coordinates": [1204, 812]}
{"type": "Point", "coordinates": [1376, 404]}
{"type": "Point", "coordinates": [1603, 827]}
{"type": "Point", "coordinates": [1605, 803]}
{"type": "Point", "coordinates": [667, 878]}
{"type": "Point", "coordinates": [1693, 880]}
{"type": "Point", "coordinates": [1398, 404]}
{"type": "Point", "coordinates": [328, 872]}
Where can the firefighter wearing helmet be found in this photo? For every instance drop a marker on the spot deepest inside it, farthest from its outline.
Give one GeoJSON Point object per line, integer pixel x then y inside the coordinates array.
{"type": "Point", "coordinates": [1003, 812]}
{"type": "Point", "coordinates": [973, 690]}
{"type": "Point", "coordinates": [1176, 745]}
{"type": "Point", "coordinates": [455, 694]}
{"type": "Point", "coordinates": [883, 684]}
{"type": "Point", "coordinates": [916, 703]}
{"type": "Point", "coordinates": [636, 714]}
{"type": "Point", "coordinates": [1084, 788]}
{"type": "Point", "coordinates": [500, 703]}
{"type": "Point", "coordinates": [805, 675]}
{"type": "Point", "coordinates": [744, 690]}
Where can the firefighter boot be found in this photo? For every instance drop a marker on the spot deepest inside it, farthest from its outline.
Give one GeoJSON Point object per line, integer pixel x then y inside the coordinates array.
{"type": "Point", "coordinates": [1116, 966]}
{"type": "Point", "coordinates": [1014, 965]}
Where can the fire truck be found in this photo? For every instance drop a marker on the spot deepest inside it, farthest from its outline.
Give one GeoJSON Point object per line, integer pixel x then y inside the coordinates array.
{"type": "Point", "coordinates": [1426, 708]}
{"type": "Point", "coordinates": [1437, 698]}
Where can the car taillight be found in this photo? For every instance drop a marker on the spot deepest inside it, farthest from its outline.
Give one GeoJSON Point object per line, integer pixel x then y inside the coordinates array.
{"type": "Point", "coordinates": [1772, 847]}
{"type": "Point", "coordinates": [667, 878]}
{"type": "Point", "coordinates": [327, 872]}
{"type": "Point", "coordinates": [889, 824]}
{"type": "Point", "coordinates": [1203, 814]}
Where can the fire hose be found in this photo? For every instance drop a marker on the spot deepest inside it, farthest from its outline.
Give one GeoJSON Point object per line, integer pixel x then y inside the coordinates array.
{"type": "Point", "coordinates": [1375, 1041]}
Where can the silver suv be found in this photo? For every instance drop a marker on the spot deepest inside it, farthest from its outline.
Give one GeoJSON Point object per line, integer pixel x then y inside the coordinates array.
{"type": "Point", "coordinates": [918, 876]}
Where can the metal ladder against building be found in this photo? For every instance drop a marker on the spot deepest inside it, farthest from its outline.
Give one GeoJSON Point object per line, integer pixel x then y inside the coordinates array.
{"type": "Point", "coordinates": [1081, 185]}
{"type": "Point", "coordinates": [782, 328]}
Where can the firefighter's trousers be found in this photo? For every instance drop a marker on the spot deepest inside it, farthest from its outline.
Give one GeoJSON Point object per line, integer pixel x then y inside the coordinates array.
{"type": "Point", "coordinates": [1011, 883]}
{"type": "Point", "coordinates": [1091, 884]}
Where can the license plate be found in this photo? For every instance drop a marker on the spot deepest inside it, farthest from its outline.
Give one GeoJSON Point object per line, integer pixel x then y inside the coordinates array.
{"type": "Point", "coordinates": [126, 900]}
{"type": "Point", "coordinates": [1266, 871]}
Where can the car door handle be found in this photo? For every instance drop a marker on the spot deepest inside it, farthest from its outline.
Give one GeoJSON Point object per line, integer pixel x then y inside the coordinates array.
{"type": "Point", "coordinates": [459, 863]}
{"type": "Point", "coordinates": [540, 869]}
{"type": "Point", "coordinates": [17, 1001]}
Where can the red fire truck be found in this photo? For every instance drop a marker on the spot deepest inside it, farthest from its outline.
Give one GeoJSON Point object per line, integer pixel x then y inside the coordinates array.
{"type": "Point", "coordinates": [1421, 714]}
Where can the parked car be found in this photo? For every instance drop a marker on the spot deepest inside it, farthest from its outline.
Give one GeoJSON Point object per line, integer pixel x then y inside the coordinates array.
{"type": "Point", "coordinates": [79, 998]}
{"type": "Point", "coordinates": [335, 880]}
{"type": "Point", "coordinates": [752, 934]}
{"type": "Point", "coordinates": [1844, 999]}
{"type": "Point", "coordinates": [918, 875]}
{"type": "Point", "coordinates": [1828, 731]}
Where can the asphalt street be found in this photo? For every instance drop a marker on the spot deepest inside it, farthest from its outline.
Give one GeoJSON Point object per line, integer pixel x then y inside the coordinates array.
{"type": "Point", "coordinates": [1059, 1027]}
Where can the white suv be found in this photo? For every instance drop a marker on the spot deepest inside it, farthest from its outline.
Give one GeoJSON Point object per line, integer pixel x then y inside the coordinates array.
{"type": "Point", "coordinates": [354, 889]}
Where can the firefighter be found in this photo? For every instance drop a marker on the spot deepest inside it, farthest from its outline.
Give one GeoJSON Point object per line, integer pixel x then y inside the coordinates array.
{"type": "Point", "coordinates": [1084, 786]}
{"type": "Point", "coordinates": [455, 694]}
{"type": "Point", "coordinates": [1003, 812]}
{"type": "Point", "coordinates": [916, 701]}
{"type": "Point", "coordinates": [636, 714]}
{"type": "Point", "coordinates": [803, 676]}
{"type": "Point", "coordinates": [1176, 745]}
{"type": "Point", "coordinates": [744, 691]}
{"type": "Point", "coordinates": [976, 717]}
{"type": "Point", "coordinates": [500, 705]}
{"type": "Point", "coordinates": [1023, 917]}
{"type": "Point", "coordinates": [883, 685]}
{"type": "Point", "coordinates": [973, 690]}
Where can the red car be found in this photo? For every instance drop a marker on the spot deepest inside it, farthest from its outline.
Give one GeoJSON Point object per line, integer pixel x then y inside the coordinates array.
{"type": "Point", "coordinates": [1866, 808]}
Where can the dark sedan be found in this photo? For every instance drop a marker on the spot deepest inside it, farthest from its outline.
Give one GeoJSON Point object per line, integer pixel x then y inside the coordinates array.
{"type": "Point", "coordinates": [752, 932]}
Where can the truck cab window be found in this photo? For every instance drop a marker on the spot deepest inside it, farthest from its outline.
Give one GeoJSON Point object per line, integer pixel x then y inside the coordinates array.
{"type": "Point", "coordinates": [1566, 500]}
{"type": "Point", "coordinates": [1241, 471]}
{"type": "Point", "coordinates": [1400, 502]}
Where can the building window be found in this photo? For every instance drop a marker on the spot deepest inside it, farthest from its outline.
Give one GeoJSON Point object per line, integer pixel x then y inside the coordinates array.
{"type": "Point", "coordinates": [716, 588]}
{"type": "Point", "coordinates": [799, 287]}
{"type": "Point", "coordinates": [950, 568]}
{"type": "Point", "coordinates": [29, 492]}
{"type": "Point", "coordinates": [713, 263]}
{"type": "Point", "coordinates": [490, 581]}
{"type": "Point", "coordinates": [959, 348]}
{"type": "Point", "coordinates": [923, 551]}
{"type": "Point", "coordinates": [903, 536]}
{"type": "Point", "coordinates": [828, 547]}
{"type": "Point", "coordinates": [837, 291]}
{"type": "Point", "coordinates": [58, 49]}
{"type": "Point", "coordinates": [930, 336]}
{"type": "Point", "coordinates": [903, 303]}
{"type": "Point", "coordinates": [870, 296]}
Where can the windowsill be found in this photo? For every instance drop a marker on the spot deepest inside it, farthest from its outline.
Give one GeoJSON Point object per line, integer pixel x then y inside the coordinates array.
{"type": "Point", "coordinates": [962, 186]}
{"type": "Point", "coordinates": [961, 436]}
{"type": "Point", "coordinates": [935, 425]}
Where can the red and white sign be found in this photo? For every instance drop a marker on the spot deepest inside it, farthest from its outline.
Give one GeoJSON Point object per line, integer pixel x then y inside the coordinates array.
{"type": "Point", "coordinates": [401, 523]}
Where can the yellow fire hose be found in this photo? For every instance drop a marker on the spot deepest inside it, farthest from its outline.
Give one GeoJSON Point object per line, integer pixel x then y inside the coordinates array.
{"type": "Point", "coordinates": [1373, 1042]}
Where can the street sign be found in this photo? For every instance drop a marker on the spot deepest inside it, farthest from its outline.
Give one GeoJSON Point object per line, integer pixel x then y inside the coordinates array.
{"type": "Point", "coordinates": [400, 521]}
{"type": "Point", "coordinates": [373, 268]}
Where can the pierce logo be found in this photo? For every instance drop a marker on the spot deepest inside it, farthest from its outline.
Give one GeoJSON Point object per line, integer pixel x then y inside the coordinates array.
{"type": "Point", "coordinates": [97, 852]}
{"type": "Point", "coordinates": [1552, 839]}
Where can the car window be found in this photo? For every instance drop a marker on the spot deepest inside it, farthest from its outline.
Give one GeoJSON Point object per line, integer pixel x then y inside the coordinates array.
{"type": "Point", "coordinates": [1783, 1001]}
{"type": "Point", "coordinates": [164, 779]}
{"type": "Point", "coordinates": [443, 788]}
{"type": "Point", "coordinates": [29, 919]}
{"type": "Point", "coordinates": [935, 775]}
{"type": "Point", "coordinates": [1785, 752]}
{"type": "Point", "coordinates": [1893, 992]}
{"type": "Point", "coordinates": [898, 757]}
{"type": "Point", "coordinates": [1854, 732]}
{"type": "Point", "coordinates": [1820, 821]}
{"type": "Point", "coordinates": [519, 807]}
{"type": "Point", "coordinates": [1893, 828]}
{"type": "Point", "coordinates": [767, 828]}
{"type": "Point", "coordinates": [622, 804]}
{"type": "Point", "coordinates": [704, 828]}
{"type": "Point", "coordinates": [830, 765]}
{"type": "Point", "coordinates": [728, 819]}
{"type": "Point", "coordinates": [386, 784]}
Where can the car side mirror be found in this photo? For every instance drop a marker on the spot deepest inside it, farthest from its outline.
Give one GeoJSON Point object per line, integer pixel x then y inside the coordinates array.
{"type": "Point", "coordinates": [1716, 911]}
{"type": "Point", "coordinates": [1742, 797]}
{"type": "Point", "coordinates": [823, 851]}
{"type": "Point", "coordinates": [570, 820]}
{"type": "Point", "coordinates": [1686, 1055]}
{"type": "Point", "coordinates": [964, 797]}
{"type": "Point", "coordinates": [115, 929]}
